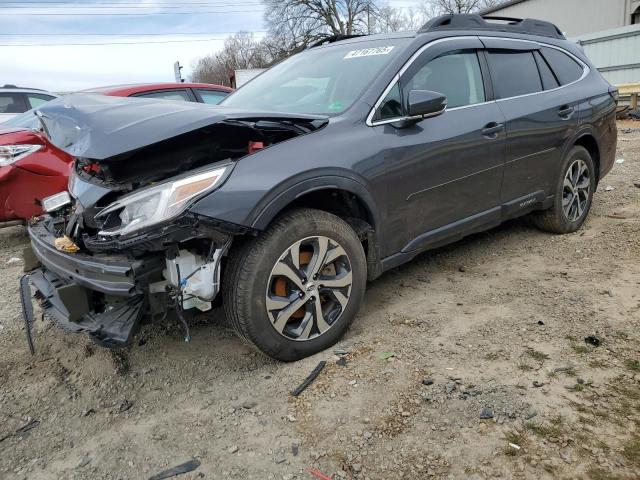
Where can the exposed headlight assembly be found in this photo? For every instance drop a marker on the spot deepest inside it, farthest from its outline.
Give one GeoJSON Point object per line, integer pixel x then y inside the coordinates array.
{"type": "Point", "coordinates": [12, 153]}
{"type": "Point", "coordinates": [157, 204]}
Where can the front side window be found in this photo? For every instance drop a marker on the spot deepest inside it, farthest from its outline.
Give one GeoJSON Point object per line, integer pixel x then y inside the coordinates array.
{"type": "Point", "coordinates": [456, 75]}
{"type": "Point", "coordinates": [514, 73]}
{"type": "Point", "coordinates": [321, 80]}
{"type": "Point", "coordinates": [567, 70]}
{"type": "Point", "coordinates": [11, 103]}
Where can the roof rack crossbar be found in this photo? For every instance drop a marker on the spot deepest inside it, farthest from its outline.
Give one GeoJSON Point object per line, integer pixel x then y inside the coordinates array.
{"type": "Point", "coordinates": [332, 39]}
{"type": "Point", "coordinates": [468, 21]}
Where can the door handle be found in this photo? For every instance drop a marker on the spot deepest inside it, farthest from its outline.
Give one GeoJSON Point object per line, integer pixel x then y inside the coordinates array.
{"type": "Point", "coordinates": [565, 111]}
{"type": "Point", "coordinates": [491, 130]}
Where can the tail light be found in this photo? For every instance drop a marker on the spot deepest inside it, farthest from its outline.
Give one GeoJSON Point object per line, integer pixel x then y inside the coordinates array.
{"type": "Point", "coordinates": [12, 153]}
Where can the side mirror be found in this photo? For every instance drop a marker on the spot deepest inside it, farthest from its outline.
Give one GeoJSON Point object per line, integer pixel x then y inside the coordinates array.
{"type": "Point", "coordinates": [425, 103]}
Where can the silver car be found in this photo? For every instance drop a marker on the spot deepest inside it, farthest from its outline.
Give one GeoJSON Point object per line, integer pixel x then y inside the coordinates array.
{"type": "Point", "coordinates": [15, 100]}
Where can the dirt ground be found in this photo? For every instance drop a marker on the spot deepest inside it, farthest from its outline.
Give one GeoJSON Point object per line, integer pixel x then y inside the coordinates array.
{"type": "Point", "coordinates": [492, 326]}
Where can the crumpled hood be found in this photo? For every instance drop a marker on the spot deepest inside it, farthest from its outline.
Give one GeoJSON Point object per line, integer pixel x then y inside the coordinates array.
{"type": "Point", "coordinates": [99, 127]}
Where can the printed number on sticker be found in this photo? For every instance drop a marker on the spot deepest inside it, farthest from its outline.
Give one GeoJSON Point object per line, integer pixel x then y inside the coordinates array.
{"type": "Point", "coordinates": [367, 52]}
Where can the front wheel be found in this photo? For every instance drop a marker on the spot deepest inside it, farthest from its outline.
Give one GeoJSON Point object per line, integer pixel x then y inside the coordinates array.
{"type": "Point", "coordinates": [574, 194]}
{"type": "Point", "coordinates": [295, 289]}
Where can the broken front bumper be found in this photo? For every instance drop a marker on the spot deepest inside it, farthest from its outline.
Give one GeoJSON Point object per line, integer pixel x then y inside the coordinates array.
{"type": "Point", "coordinates": [105, 296]}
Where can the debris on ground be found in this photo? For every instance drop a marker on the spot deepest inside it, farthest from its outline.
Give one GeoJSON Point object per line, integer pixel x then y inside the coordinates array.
{"type": "Point", "coordinates": [609, 188]}
{"type": "Point", "coordinates": [186, 467]}
{"type": "Point", "coordinates": [486, 414]}
{"type": "Point", "coordinates": [384, 356]}
{"type": "Point", "coordinates": [312, 376]}
{"type": "Point", "coordinates": [24, 429]}
{"type": "Point", "coordinates": [14, 261]}
{"type": "Point", "coordinates": [592, 340]}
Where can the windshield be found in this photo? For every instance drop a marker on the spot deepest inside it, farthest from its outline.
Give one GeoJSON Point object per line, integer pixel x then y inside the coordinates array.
{"type": "Point", "coordinates": [323, 81]}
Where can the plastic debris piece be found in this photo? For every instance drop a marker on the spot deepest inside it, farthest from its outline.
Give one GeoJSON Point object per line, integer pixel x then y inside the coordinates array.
{"type": "Point", "coordinates": [312, 376]}
{"type": "Point", "coordinates": [609, 188]}
{"type": "Point", "coordinates": [318, 474]}
{"type": "Point", "coordinates": [65, 244]}
{"type": "Point", "coordinates": [514, 446]}
{"type": "Point", "coordinates": [386, 356]}
{"type": "Point", "coordinates": [186, 467]}
{"type": "Point", "coordinates": [620, 160]}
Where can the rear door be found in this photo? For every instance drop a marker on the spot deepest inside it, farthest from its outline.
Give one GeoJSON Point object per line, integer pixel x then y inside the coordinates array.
{"type": "Point", "coordinates": [541, 116]}
{"type": "Point", "coordinates": [444, 172]}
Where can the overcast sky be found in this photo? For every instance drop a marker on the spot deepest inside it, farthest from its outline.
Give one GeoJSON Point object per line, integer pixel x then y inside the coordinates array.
{"type": "Point", "coordinates": [174, 24]}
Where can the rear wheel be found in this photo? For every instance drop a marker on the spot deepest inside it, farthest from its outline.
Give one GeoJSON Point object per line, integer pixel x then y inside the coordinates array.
{"type": "Point", "coordinates": [574, 194]}
{"type": "Point", "coordinates": [295, 289]}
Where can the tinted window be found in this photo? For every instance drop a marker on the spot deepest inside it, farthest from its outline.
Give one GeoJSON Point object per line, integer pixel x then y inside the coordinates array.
{"type": "Point", "coordinates": [549, 80]}
{"type": "Point", "coordinates": [212, 97]}
{"type": "Point", "coordinates": [391, 106]}
{"type": "Point", "coordinates": [514, 73]}
{"type": "Point", "coordinates": [455, 74]}
{"type": "Point", "coordinates": [37, 99]}
{"type": "Point", "coordinates": [567, 70]}
{"type": "Point", "coordinates": [179, 95]}
{"type": "Point", "coordinates": [11, 103]}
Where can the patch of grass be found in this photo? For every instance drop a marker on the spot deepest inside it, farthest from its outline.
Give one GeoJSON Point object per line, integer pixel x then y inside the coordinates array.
{"type": "Point", "coordinates": [581, 349]}
{"type": "Point", "coordinates": [632, 364]}
{"type": "Point", "coordinates": [550, 469]}
{"type": "Point", "coordinates": [598, 364]}
{"type": "Point", "coordinates": [524, 367]}
{"type": "Point", "coordinates": [536, 355]}
{"type": "Point", "coordinates": [515, 436]}
{"type": "Point", "coordinates": [631, 451]}
{"type": "Point", "coordinates": [552, 429]}
{"type": "Point", "coordinates": [600, 474]}
{"type": "Point", "coordinates": [492, 356]}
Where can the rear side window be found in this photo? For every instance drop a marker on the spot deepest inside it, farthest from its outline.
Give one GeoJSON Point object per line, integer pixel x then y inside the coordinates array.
{"type": "Point", "coordinates": [567, 70]}
{"type": "Point", "coordinates": [12, 103]}
{"type": "Point", "coordinates": [514, 73]}
{"type": "Point", "coordinates": [212, 97]}
{"type": "Point", "coordinates": [37, 99]}
{"type": "Point", "coordinates": [549, 80]}
{"type": "Point", "coordinates": [178, 95]}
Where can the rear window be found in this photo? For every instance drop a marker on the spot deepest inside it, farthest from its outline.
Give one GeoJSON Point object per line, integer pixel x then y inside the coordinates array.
{"type": "Point", "coordinates": [514, 73]}
{"type": "Point", "coordinates": [176, 95]}
{"type": "Point", "coordinates": [37, 99]}
{"type": "Point", "coordinates": [567, 70]}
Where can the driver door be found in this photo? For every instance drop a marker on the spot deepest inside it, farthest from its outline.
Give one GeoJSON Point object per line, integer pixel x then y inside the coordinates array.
{"type": "Point", "coordinates": [445, 172]}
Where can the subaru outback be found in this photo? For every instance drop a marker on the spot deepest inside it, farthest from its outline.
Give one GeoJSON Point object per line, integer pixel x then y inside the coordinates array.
{"type": "Point", "coordinates": [332, 167]}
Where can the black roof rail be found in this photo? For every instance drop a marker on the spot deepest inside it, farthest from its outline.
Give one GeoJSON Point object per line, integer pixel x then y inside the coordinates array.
{"type": "Point", "coordinates": [332, 39]}
{"type": "Point", "coordinates": [469, 21]}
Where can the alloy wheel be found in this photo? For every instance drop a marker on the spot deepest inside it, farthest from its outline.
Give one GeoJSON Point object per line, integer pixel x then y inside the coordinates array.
{"type": "Point", "coordinates": [576, 189]}
{"type": "Point", "coordinates": [309, 288]}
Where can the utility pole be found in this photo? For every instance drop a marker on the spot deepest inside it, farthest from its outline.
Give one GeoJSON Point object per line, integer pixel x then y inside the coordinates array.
{"type": "Point", "coordinates": [177, 73]}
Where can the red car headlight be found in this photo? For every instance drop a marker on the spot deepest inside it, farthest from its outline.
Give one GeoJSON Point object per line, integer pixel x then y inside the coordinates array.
{"type": "Point", "coordinates": [12, 153]}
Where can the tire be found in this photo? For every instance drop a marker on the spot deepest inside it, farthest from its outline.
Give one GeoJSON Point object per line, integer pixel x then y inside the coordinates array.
{"type": "Point", "coordinates": [557, 219]}
{"type": "Point", "coordinates": [263, 288]}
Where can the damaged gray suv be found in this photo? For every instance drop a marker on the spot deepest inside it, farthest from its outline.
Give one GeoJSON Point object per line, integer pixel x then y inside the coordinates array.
{"type": "Point", "coordinates": [338, 164]}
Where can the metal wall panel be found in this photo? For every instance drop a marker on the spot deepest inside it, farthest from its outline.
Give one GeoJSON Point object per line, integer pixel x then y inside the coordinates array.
{"type": "Point", "coordinates": [574, 17]}
{"type": "Point", "coordinates": [616, 53]}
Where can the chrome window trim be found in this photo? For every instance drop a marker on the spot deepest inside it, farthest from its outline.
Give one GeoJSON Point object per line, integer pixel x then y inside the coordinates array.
{"type": "Point", "coordinates": [369, 122]}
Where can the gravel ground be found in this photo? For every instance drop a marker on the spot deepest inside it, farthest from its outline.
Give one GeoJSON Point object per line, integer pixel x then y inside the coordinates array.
{"type": "Point", "coordinates": [493, 326]}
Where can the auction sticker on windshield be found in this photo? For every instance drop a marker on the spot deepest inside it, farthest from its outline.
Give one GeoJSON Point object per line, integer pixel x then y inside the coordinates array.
{"type": "Point", "coordinates": [368, 52]}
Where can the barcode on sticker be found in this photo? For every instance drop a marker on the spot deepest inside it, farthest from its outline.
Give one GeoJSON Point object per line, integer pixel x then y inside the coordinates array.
{"type": "Point", "coordinates": [367, 52]}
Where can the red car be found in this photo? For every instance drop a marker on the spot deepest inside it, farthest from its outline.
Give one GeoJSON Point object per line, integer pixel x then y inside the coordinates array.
{"type": "Point", "coordinates": [32, 169]}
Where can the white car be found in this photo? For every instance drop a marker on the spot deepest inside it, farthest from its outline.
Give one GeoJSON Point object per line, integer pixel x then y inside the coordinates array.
{"type": "Point", "coordinates": [15, 100]}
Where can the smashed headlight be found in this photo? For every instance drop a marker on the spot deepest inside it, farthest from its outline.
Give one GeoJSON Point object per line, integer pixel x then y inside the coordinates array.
{"type": "Point", "coordinates": [157, 204]}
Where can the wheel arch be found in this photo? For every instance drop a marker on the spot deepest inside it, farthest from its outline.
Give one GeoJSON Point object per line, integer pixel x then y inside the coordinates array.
{"type": "Point", "coordinates": [342, 196]}
{"type": "Point", "coordinates": [588, 141]}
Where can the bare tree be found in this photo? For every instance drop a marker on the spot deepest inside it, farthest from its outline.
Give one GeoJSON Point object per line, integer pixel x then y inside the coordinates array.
{"type": "Point", "coordinates": [240, 51]}
{"type": "Point", "coordinates": [433, 8]}
{"type": "Point", "coordinates": [389, 19]}
{"type": "Point", "coordinates": [301, 22]}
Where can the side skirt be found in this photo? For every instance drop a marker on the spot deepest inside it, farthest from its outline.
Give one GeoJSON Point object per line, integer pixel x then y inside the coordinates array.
{"type": "Point", "coordinates": [467, 226]}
